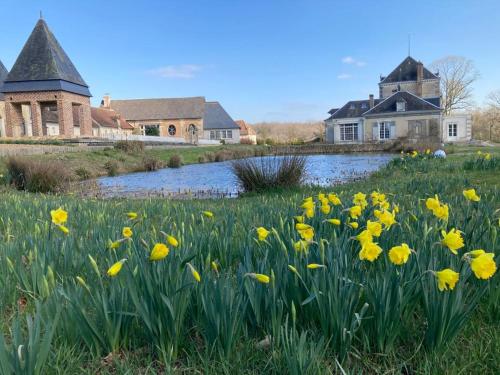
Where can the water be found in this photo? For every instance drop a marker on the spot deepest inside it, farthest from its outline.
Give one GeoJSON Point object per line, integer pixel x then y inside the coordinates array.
{"type": "Point", "coordinates": [217, 180]}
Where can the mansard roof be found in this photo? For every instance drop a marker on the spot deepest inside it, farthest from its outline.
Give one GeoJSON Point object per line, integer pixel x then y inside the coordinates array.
{"type": "Point", "coordinates": [407, 71]}
{"type": "Point", "coordinates": [413, 104]}
{"type": "Point", "coordinates": [3, 75]}
{"type": "Point", "coordinates": [43, 65]}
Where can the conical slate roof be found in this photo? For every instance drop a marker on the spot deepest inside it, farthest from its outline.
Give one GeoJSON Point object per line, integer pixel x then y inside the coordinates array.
{"type": "Point", "coordinates": [3, 75]}
{"type": "Point", "coordinates": [44, 66]}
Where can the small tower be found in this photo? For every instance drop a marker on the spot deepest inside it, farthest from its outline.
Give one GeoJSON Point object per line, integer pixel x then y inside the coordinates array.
{"type": "Point", "coordinates": [44, 80]}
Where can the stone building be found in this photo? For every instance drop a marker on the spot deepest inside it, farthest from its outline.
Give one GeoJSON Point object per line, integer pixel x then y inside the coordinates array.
{"type": "Point", "coordinates": [3, 75]}
{"type": "Point", "coordinates": [408, 109]}
{"type": "Point", "coordinates": [42, 81]}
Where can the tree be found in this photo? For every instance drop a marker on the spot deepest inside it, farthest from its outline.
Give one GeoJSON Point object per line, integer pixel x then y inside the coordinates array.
{"type": "Point", "coordinates": [458, 74]}
{"type": "Point", "coordinates": [494, 99]}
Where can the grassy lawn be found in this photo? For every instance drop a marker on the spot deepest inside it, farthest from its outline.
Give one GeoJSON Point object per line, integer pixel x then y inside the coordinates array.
{"type": "Point", "coordinates": [156, 318]}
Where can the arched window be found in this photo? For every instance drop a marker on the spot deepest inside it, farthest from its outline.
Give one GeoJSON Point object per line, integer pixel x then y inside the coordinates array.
{"type": "Point", "coordinates": [171, 130]}
{"type": "Point", "coordinates": [192, 129]}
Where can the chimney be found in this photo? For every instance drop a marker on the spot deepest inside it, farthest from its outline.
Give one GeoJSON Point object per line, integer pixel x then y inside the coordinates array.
{"type": "Point", "coordinates": [106, 101]}
{"type": "Point", "coordinates": [420, 77]}
{"type": "Point", "coordinates": [372, 102]}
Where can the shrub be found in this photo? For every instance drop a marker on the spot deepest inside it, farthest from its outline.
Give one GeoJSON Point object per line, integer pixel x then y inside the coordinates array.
{"type": "Point", "coordinates": [130, 146]}
{"type": "Point", "coordinates": [272, 172]}
{"type": "Point", "coordinates": [175, 161]}
{"type": "Point", "coordinates": [246, 141]}
{"type": "Point", "coordinates": [151, 163]}
{"type": "Point", "coordinates": [83, 173]}
{"type": "Point", "coordinates": [223, 155]}
{"type": "Point", "coordinates": [202, 159]}
{"type": "Point", "coordinates": [36, 176]}
{"type": "Point", "coordinates": [209, 156]}
{"type": "Point", "coordinates": [111, 166]}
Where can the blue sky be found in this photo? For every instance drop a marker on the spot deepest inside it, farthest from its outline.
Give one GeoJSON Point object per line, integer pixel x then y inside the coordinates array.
{"type": "Point", "coordinates": [264, 60]}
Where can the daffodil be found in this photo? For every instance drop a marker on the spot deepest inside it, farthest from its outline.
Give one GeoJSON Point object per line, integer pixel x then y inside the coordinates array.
{"type": "Point", "coordinates": [447, 279]}
{"type": "Point", "coordinates": [309, 213]}
{"type": "Point", "coordinates": [208, 214]}
{"type": "Point", "coordinates": [63, 229]}
{"type": "Point", "coordinates": [301, 245]}
{"type": "Point", "coordinates": [432, 203]}
{"type": "Point", "coordinates": [355, 212]}
{"type": "Point", "coordinates": [195, 273]}
{"type": "Point", "coordinates": [214, 266]}
{"type": "Point", "coordinates": [116, 268]}
{"type": "Point", "coordinates": [127, 232]}
{"type": "Point", "coordinates": [261, 278]}
{"type": "Point", "coordinates": [483, 265]}
{"type": "Point", "coordinates": [307, 204]}
{"type": "Point", "coordinates": [360, 200]}
{"type": "Point", "coordinates": [321, 196]}
{"type": "Point", "coordinates": [487, 156]}
{"type": "Point", "coordinates": [114, 244]}
{"type": "Point", "coordinates": [59, 216]}
{"type": "Point", "coordinates": [399, 254]}
{"type": "Point", "coordinates": [452, 240]}
{"type": "Point", "coordinates": [132, 215]}
{"type": "Point", "coordinates": [172, 241]}
{"type": "Point", "coordinates": [307, 234]}
{"type": "Point", "coordinates": [370, 251]}
{"type": "Point", "coordinates": [158, 252]}
{"type": "Point", "coordinates": [471, 195]}
{"type": "Point", "coordinates": [365, 237]}
{"type": "Point", "coordinates": [353, 224]}
{"type": "Point", "coordinates": [334, 221]}
{"type": "Point", "coordinates": [476, 253]}
{"type": "Point", "coordinates": [262, 233]}
{"type": "Point", "coordinates": [414, 153]}
{"type": "Point", "coordinates": [374, 227]}
{"type": "Point", "coordinates": [313, 266]}
{"type": "Point", "coordinates": [302, 226]}
{"type": "Point", "coordinates": [387, 218]}
{"type": "Point", "coordinates": [325, 208]}
{"type": "Point", "coordinates": [334, 199]}
{"type": "Point", "coordinates": [427, 151]}
{"type": "Point", "coordinates": [299, 219]}
{"type": "Point", "coordinates": [441, 212]}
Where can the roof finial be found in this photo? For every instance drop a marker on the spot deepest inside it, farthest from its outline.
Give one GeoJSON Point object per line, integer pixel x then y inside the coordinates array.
{"type": "Point", "coordinates": [409, 44]}
{"type": "Point", "coordinates": [41, 15]}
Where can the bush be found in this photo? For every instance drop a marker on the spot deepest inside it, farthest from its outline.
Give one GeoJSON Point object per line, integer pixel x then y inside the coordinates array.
{"type": "Point", "coordinates": [246, 141]}
{"type": "Point", "coordinates": [111, 166]}
{"type": "Point", "coordinates": [151, 163]}
{"type": "Point", "coordinates": [130, 147]}
{"type": "Point", "coordinates": [83, 173]}
{"type": "Point", "coordinates": [202, 159]}
{"type": "Point", "coordinates": [210, 156]}
{"type": "Point", "coordinates": [223, 156]}
{"type": "Point", "coordinates": [175, 161]}
{"type": "Point", "coordinates": [36, 176]}
{"type": "Point", "coordinates": [268, 173]}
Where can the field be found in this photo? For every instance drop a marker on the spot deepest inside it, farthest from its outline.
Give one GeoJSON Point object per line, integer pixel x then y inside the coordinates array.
{"type": "Point", "coordinates": [244, 289]}
{"type": "Point", "coordinates": [286, 133]}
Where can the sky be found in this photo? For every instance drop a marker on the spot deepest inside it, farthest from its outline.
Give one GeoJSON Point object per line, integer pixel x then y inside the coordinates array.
{"type": "Point", "coordinates": [263, 60]}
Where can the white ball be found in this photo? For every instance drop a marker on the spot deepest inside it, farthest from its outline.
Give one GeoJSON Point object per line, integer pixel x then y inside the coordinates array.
{"type": "Point", "coordinates": [440, 154]}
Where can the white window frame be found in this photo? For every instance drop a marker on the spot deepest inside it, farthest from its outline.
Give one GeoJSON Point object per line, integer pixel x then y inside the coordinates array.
{"type": "Point", "coordinates": [400, 106]}
{"type": "Point", "coordinates": [384, 130]}
{"type": "Point", "coordinates": [349, 132]}
{"type": "Point", "coordinates": [452, 130]}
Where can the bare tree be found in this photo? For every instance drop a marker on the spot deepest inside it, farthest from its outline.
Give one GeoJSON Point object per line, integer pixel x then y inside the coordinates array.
{"type": "Point", "coordinates": [494, 99]}
{"type": "Point", "coordinates": [457, 77]}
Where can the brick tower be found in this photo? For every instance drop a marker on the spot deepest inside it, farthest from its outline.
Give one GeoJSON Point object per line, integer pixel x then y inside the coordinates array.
{"type": "Point", "coordinates": [43, 82]}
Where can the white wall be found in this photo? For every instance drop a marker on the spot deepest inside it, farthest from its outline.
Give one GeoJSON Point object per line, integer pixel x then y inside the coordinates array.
{"type": "Point", "coordinates": [464, 128]}
{"type": "Point", "coordinates": [234, 139]}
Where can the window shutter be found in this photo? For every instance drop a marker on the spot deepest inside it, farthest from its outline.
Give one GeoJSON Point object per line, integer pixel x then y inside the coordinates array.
{"type": "Point", "coordinates": [375, 132]}
{"type": "Point", "coordinates": [392, 130]}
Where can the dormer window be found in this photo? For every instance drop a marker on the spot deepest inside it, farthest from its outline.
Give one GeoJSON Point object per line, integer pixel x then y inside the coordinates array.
{"type": "Point", "coordinates": [352, 106]}
{"type": "Point", "coordinates": [364, 105]}
{"type": "Point", "coordinates": [400, 106]}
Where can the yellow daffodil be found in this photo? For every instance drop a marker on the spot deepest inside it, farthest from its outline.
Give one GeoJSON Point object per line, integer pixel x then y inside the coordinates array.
{"type": "Point", "coordinates": [374, 227]}
{"type": "Point", "coordinates": [487, 156]}
{"type": "Point", "coordinates": [301, 245]}
{"type": "Point", "coordinates": [208, 214]}
{"type": "Point", "coordinates": [262, 233]}
{"type": "Point", "coordinates": [452, 240]}
{"type": "Point", "coordinates": [353, 224]}
{"type": "Point", "coordinates": [483, 265]}
{"type": "Point", "coordinates": [414, 153]}
{"type": "Point", "coordinates": [299, 219]}
{"type": "Point", "coordinates": [114, 244]}
{"type": "Point", "coordinates": [307, 234]}
{"type": "Point", "coordinates": [399, 254]}
{"type": "Point", "coordinates": [471, 195]}
{"type": "Point", "coordinates": [395, 208]}
{"type": "Point", "coordinates": [447, 279]}
{"type": "Point", "coordinates": [158, 252]}
{"type": "Point", "coordinates": [302, 226]}
{"type": "Point", "coordinates": [172, 241]}
{"type": "Point", "coordinates": [476, 253]}
{"type": "Point", "coordinates": [384, 205]}
{"type": "Point", "coordinates": [364, 237]}
{"type": "Point", "coordinates": [195, 273]}
{"type": "Point", "coordinates": [355, 212]}
{"type": "Point", "coordinates": [127, 232]}
{"type": "Point", "coordinates": [441, 212]}
{"type": "Point", "coordinates": [132, 215]}
{"type": "Point", "coordinates": [360, 200]}
{"type": "Point", "coordinates": [432, 203]}
{"type": "Point", "coordinates": [387, 218]}
{"type": "Point", "coordinates": [321, 196]}
{"type": "Point", "coordinates": [427, 151]}
{"type": "Point", "coordinates": [309, 213]}
{"type": "Point", "coordinates": [334, 199]}
{"type": "Point", "coordinates": [370, 251]}
{"type": "Point", "coordinates": [325, 208]}
{"type": "Point", "coordinates": [63, 229]}
{"type": "Point", "coordinates": [214, 266]}
{"type": "Point", "coordinates": [116, 268]}
{"type": "Point", "coordinates": [307, 204]}
{"type": "Point", "coordinates": [334, 221]}
{"type": "Point", "coordinates": [313, 266]}
{"type": "Point", "coordinates": [59, 216]}
{"type": "Point", "coordinates": [261, 278]}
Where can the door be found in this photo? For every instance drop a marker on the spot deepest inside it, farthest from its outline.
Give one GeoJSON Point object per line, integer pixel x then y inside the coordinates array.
{"type": "Point", "coordinates": [193, 134]}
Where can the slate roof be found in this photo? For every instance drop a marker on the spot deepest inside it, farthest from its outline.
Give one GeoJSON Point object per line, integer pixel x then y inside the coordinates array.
{"type": "Point", "coordinates": [107, 118]}
{"type": "Point", "coordinates": [413, 104]}
{"type": "Point", "coordinates": [407, 71]}
{"type": "Point", "coordinates": [3, 75]}
{"type": "Point", "coordinates": [217, 118]}
{"type": "Point", "coordinates": [160, 109]}
{"type": "Point", "coordinates": [352, 109]}
{"type": "Point", "coordinates": [43, 65]}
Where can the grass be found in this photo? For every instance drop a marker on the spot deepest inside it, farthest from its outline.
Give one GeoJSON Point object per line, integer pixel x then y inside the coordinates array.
{"type": "Point", "coordinates": [32, 244]}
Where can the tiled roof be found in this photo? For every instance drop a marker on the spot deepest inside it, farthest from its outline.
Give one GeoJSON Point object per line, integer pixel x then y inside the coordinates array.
{"type": "Point", "coordinates": [3, 75]}
{"type": "Point", "coordinates": [352, 109]}
{"type": "Point", "coordinates": [107, 118]}
{"type": "Point", "coordinates": [160, 109]}
{"type": "Point", "coordinates": [41, 62]}
{"type": "Point", "coordinates": [217, 118]}
{"type": "Point", "coordinates": [407, 71]}
{"type": "Point", "coordinates": [245, 129]}
{"type": "Point", "coordinates": [413, 104]}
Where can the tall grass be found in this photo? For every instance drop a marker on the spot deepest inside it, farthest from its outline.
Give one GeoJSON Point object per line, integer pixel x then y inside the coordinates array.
{"type": "Point", "coordinates": [270, 172]}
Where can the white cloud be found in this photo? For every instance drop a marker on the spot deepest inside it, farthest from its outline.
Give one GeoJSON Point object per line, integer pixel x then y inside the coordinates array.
{"type": "Point", "coordinates": [186, 71]}
{"type": "Point", "coordinates": [344, 76]}
{"type": "Point", "coordinates": [352, 61]}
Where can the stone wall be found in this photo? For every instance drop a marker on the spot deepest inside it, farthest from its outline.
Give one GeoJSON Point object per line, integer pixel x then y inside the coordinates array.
{"type": "Point", "coordinates": [430, 88]}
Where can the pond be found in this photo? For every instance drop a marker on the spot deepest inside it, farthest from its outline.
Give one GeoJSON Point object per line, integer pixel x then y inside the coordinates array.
{"type": "Point", "coordinates": [217, 180]}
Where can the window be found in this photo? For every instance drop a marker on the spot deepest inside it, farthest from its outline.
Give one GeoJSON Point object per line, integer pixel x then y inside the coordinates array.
{"type": "Point", "coordinates": [229, 134]}
{"type": "Point", "coordinates": [384, 130]}
{"type": "Point", "coordinates": [352, 106]}
{"type": "Point", "coordinates": [401, 106]}
{"type": "Point", "coordinates": [349, 132]}
{"type": "Point", "coordinates": [212, 134]}
{"type": "Point", "coordinates": [221, 134]}
{"type": "Point", "coordinates": [364, 105]}
{"type": "Point", "coordinates": [151, 129]}
{"type": "Point", "coordinates": [171, 130]}
{"type": "Point", "coordinates": [452, 130]}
